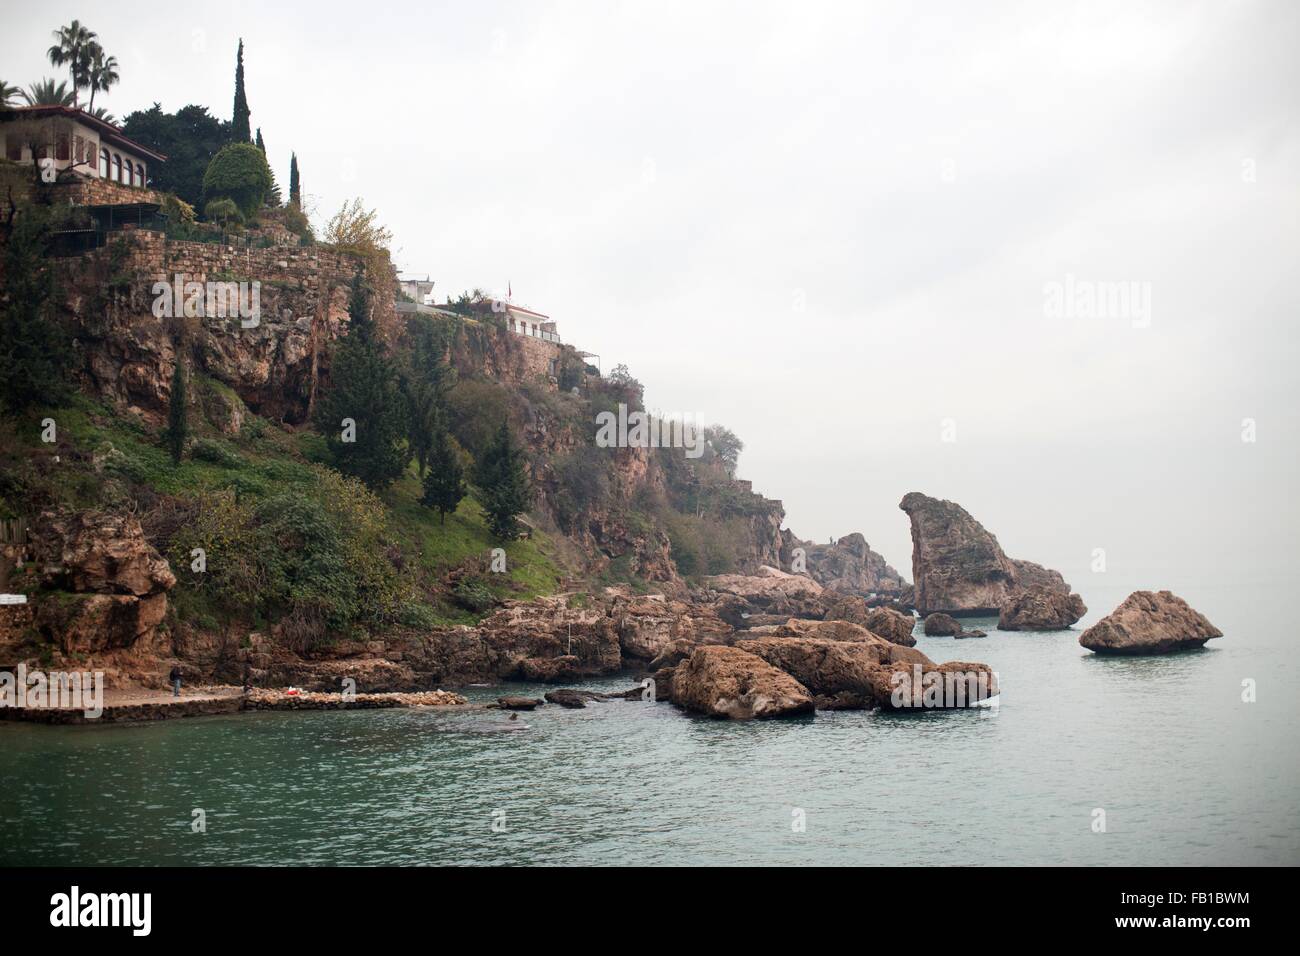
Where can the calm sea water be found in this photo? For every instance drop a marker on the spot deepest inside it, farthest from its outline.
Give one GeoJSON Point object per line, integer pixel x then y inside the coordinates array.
{"type": "Point", "coordinates": [1186, 772]}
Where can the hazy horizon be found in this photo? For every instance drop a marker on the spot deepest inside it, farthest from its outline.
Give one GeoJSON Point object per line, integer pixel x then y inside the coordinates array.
{"type": "Point", "coordinates": [832, 229]}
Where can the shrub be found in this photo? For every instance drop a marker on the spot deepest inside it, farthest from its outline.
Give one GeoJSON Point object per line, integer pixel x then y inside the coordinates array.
{"type": "Point", "coordinates": [472, 594]}
{"type": "Point", "coordinates": [215, 452]}
{"type": "Point", "coordinates": [238, 172]}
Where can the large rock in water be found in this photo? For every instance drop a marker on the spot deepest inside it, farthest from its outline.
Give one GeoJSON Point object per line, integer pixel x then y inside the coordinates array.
{"type": "Point", "coordinates": [939, 624]}
{"type": "Point", "coordinates": [959, 568]}
{"type": "Point", "coordinates": [728, 682]}
{"type": "Point", "coordinates": [1149, 622]}
{"type": "Point", "coordinates": [859, 675]}
{"type": "Point", "coordinates": [1041, 609]}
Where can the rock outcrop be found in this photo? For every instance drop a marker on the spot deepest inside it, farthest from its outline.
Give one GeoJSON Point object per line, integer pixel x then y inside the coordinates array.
{"type": "Point", "coordinates": [893, 625]}
{"type": "Point", "coordinates": [959, 568]}
{"type": "Point", "coordinates": [849, 566]}
{"type": "Point", "coordinates": [106, 586]}
{"type": "Point", "coordinates": [648, 623]}
{"type": "Point", "coordinates": [767, 596]}
{"type": "Point", "coordinates": [847, 675]}
{"type": "Point", "coordinates": [1041, 608]}
{"type": "Point", "coordinates": [1149, 622]}
{"type": "Point", "coordinates": [728, 682]}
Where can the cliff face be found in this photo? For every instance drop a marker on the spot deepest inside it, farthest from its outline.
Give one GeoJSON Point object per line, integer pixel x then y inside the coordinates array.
{"type": "Point", "coordinates": [274, 366]}
{"type": "Point", "coordinates": [959, 567]}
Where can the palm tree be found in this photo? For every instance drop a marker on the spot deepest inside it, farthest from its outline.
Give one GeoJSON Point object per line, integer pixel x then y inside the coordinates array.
{"type": "Point", "coordinates": [8, 94]}
{"type": "Point", "coordinates": [73, 48]}
{"type": "Point", "coordinates": [102, 73]}
{"type": "Point", "coordinates": [104, 115]}
{"type": "Point", "coordinates": [47, 93]}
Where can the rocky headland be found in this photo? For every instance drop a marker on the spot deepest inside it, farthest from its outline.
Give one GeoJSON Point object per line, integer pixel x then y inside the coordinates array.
{"type": "Point", "coordinates": [958, 568]}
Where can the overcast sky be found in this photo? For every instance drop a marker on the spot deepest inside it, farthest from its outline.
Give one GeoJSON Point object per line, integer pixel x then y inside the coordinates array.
{"type": "Point", "coordinates": [834, 227]}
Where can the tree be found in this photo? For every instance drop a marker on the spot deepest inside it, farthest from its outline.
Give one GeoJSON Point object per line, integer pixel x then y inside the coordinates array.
{"type": "Point", "coordinates": [239, 130]}
{"type": "Point", "coordinates": [501, 483]}
{"type": "Point", "coordinates": [272, 194]}
{"type": "Point", "coordinates": [73, 47]}
{"type": "Point", "coordinates": [8, 95]}
{"type": "Point", "coordinates": [426, 382]}
{"type": "Point", "coordinates": [47, 93]}
{"type": "Point", "coordinates": [295, 188]}
{"type": "Point", "coordinates": [240, 173]}
{"type": "Point", "coordinates": [102, 74]}
{"type": "Point", "coordinates": [357, 229]}
{"type": "Point", "coordinates": [177, 426]}
{"type": "Point", "coordinates": [35, 352]}
{"type": "Point", "coordinates": [189, 138]}
{"type": "Point", "coordinates": [725, 445]}
{"type": "Point", "coordinates": [222, 211]}
{"type": "Point", "coordinates": [362, 413]}
{"type": "Point", "coordinates": [444, 485]}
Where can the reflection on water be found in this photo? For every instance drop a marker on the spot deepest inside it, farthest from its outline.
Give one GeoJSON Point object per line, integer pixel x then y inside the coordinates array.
{"type": "Point", "coordinates": [1186, 772]}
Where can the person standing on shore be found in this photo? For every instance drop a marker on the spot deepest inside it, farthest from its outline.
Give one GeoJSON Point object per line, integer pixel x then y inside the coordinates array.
{"type": "Point", "coordinates": [175, 678]}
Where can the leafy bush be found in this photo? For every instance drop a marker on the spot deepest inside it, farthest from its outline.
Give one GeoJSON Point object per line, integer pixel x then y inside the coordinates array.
{"type": "Point", "coordinates": [472, 593]}
{"type": "Point", "coordinates": [215, 452]}
{"type": "Point", "coordinates": [238, 172]}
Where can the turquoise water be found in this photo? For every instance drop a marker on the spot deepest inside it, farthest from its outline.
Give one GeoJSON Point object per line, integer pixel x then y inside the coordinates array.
{"type": "Point", "coordinates": [1186, 773]}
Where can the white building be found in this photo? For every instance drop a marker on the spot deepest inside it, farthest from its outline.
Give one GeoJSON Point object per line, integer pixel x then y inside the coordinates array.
{"type": "Point", "coordinates": [76, 141]}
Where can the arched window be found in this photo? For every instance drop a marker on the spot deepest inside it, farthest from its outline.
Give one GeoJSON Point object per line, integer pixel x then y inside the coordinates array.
{"type": "Point", "coordinates": [139, 174]}
{"type": "Point", "coordinates": [103, 163]}
{"type": "Point", "coordinates": [117, 169]}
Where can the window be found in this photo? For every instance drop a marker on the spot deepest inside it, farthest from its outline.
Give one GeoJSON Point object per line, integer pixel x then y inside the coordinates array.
{"type": "Point", "coordinates": [103, 163]}
{"type": "Point", "coordinates": [117, 169]}
{"type": "Point", "coordinates": [128, 173]}
{"type": "Point", "coordinates": [13, 147]}
{"type": "Point", "coordinates": [139, 174]}
{"type": "Point", "coordinates": [62, 147]}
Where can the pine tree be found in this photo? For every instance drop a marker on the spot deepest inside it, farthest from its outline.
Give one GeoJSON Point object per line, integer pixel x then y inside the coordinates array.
{"type": "Point", "coordinates": [239, 128]}
{"type": "Point", "coordinates": [34, 348]}
{"type": "Point", "coordinates": [501, 483]}
{"type": "Point", "coordinates": [295, 190]}
{"type": "Point", "coordinates": [364, 388]}
{"type": "Point", "coordinates": [177, 425]}
{"type": "Point", "coordinates": [444, 485]}
{"type": "Point", "coordinates": [272, 194]}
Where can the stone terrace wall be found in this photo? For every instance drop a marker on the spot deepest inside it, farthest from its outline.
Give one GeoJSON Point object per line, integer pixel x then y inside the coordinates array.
{"type": "Point", "coordinates": [103, 192]}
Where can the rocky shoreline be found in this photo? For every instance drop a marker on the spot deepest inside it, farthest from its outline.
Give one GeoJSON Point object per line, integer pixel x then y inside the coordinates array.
{"type": "Point", "coordinates": [227, 701]}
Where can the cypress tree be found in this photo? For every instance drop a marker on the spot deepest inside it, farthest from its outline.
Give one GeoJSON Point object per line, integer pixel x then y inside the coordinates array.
{"type": "Point", "coordinates": [239, 129]}
{"type": "Point", "coordinates": [444, 485]}
{"type": "Point", "coordinates": [295, 190]}
{"type": "Point", "coordinates": [177, 425]}
{"type": "Point", "coordinates": [272, 194]}
{"type": "Point", "coordinates": [364, 388]}
{"type": "Point", "coordinates": [502, 484]}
